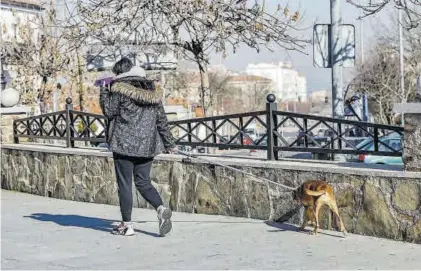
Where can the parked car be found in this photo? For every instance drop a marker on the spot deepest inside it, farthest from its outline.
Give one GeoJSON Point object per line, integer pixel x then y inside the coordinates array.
{"type": "Point", "coordinates": [246, 140]}
{"type": "Point", "coordinates": [184, 148]}
{"type": "Point", "coordinates": [264, 142]}
{"type": "Point", "coordinates": [224, 140]}
{"type": "Point", "coordinates": [200, 149]}
{"type": "Point", "coordinates": [394, 143]}
{"type": "Point", "coordinates": [100, 145]}
{"type": "Point", "coordinates": [321, 137]}
{"type": "Point", "coordinates": [252, 133]}
{"type": "Point", "coordinates": [300, 141]}
{"type": "Point", "coordinates": [325, 133]}
{"type": "Point", "coordinates": [393, 140]}
{"type": "Point", "coordinates": [363, 145]}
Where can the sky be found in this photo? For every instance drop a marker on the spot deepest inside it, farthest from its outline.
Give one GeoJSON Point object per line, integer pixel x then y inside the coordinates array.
{"type": "Point", "coordinates": [315, 11]}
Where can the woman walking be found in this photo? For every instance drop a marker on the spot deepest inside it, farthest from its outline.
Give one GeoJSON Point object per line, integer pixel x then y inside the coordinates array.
{"type": "Point", "coordinates": [137, 131]}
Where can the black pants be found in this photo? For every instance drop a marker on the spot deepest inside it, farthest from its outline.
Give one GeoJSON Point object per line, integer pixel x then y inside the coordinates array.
{"type": "Point", "coordinates": [125, 168]}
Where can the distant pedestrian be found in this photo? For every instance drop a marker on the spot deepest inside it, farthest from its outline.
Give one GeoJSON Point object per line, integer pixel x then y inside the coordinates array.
{"type": "Point", "coordinates": [137, 131]}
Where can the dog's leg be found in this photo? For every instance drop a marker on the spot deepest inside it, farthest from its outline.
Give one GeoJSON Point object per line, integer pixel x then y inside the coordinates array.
{"type": "Point", "coordinates": [305, 219]}
{"type": "Point", "coordinates": [334, 208]}
{"type": "Point", "coordinates": [317, 205]}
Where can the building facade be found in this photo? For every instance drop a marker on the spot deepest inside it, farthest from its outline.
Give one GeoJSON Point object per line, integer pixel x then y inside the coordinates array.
{"type": "Point", "coordinates": [289, 84]}
{"type": "Point", "coordinates": [252, 91]}
{"type": "Point", "coordinates": [16, 13]}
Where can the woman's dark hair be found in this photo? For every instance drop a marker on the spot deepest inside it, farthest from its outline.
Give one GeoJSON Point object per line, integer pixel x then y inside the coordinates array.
{"type": "Point", "coordinates": [122, 66]}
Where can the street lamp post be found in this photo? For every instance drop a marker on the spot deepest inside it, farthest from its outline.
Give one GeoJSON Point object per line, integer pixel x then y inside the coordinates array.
{"type": "Point", "coordinates": [3, 77]}
{"type": "Point", "coordinates": [401, 62]}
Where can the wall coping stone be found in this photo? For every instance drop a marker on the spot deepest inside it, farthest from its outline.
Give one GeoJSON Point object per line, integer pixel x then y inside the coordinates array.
{"type": "Point", "coordinates": [15, 110]}
{"type": "Point", "coordinates": [288, 164]}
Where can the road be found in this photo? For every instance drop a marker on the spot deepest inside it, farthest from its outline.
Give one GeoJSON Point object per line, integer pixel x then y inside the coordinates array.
{"type": "Point", "coordinates": [46, 233]}
{"type": "Point", "coordinates": [288, 135]}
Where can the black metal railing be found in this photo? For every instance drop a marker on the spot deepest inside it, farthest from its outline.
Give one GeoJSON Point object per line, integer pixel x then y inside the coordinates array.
{"type": "Point", "coordinates": [69, 125]}
{"type": "Point", "coordinates": [268, 130]}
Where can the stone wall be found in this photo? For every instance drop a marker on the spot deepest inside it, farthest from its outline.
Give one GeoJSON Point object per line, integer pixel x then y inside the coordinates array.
{"type": "Point", "coordinates": [6, 128]}
{"type": "Point", "coordinates": [8, 115]}
{"type": "Point", "coordinates": [375, 202]}
{"type": "Point", "coordinates": [412, 139]}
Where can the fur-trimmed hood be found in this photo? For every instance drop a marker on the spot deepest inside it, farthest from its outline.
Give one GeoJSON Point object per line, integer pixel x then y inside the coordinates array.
{"type": "Point", "coordinates": [134, 85]}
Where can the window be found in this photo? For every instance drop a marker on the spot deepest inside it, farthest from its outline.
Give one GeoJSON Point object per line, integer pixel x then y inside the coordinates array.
{"type": "Point", "coordinates": [383, 147]}
{"type": "Point", "coordinates": [395, 144]}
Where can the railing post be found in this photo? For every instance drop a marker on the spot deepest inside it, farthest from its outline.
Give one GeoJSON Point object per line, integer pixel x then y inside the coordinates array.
{"type": "Point", "coordinates": [271, 106]}
{"type": "Point", "coordinates": [305, 122]}
{"type": "Point", "coordinates": [376, 139]}
{"type": "Point", "coordinates": [240, 125]}
{"type": "Point", "coordinates": [189, 132]}
{"type": "Point", "coordinates": [15, 133]}
{"type": "Point", "coordinates": [69, 122]}
{"type": "Point", "coordinates": [214, 137]}
{"type": "Point", "coordinates": [29, 130]}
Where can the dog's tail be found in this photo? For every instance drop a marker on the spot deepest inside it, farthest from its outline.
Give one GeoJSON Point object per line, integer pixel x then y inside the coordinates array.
{"type": "Point", "coordinates": [314, 193]}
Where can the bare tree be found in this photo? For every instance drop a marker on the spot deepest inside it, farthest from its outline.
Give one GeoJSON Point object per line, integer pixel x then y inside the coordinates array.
{"type": "Point", "coordinates": [218, 90]}
{"type": "Point", "coordinates": [192, 28]}
{"type": "Point", "coordinates": [411, 8]}
{"type": "Point", "coordinates": [379, 79]}
{"type": "Point", "coordinates": [37, 51]}
{"type": "Point", "coordinates": [181, 82]}
{"type": "Point", "coordinates": [260, 90]}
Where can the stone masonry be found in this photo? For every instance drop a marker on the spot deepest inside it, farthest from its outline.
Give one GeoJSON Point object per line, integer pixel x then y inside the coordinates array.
{"type": "Point", "coordinates": [375, 202]}
{"type": "Point", "coordinates": [412, 139]}
{"type": "Point", "coordinates": [6, 128]}
{"type": "Point", "coordinates": [412, 134]}
{"type": "Point", "coordinates": [8, 115]}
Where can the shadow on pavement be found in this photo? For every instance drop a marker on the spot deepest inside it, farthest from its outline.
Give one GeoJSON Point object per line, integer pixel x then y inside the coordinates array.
{"type": "Point", "coordinates": [205, 222]}
{"type": "Point", "coordinates": [288, 227]}
{"type": "Point", "coordinates": [94, 223]}
{"type": "Point", "coordinates": [281, 227]}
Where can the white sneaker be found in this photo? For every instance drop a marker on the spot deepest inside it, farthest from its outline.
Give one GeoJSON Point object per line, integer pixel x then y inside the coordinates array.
{"type": "Point", "coordinates": [124, 229]}
{"type": "Point", "coordinates": [164, 218]}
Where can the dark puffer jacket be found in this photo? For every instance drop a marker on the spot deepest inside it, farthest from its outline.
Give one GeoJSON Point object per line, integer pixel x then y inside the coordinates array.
{"type": "Point", "coordinates": [137, 124]}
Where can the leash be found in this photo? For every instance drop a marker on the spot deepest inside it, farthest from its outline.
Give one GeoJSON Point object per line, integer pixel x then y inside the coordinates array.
{"type": "Point", "coordinates": [258, 179]}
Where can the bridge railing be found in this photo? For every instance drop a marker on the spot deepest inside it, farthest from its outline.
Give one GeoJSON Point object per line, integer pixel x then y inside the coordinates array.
{"type": "Point", "coordinates": [69, 125]}
{"type": "Point", "coordinates": [269, 130]}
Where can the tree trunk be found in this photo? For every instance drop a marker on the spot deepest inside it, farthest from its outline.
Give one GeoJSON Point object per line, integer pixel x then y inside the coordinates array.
{"type": "Point", "coordinates": [42, 104]}
{"type": "Point", "coordinates": [204, 93]}
{"type": "Point", "coordinates": [204, 88]}
{"type": "Point", "coordinates": [80, 82]}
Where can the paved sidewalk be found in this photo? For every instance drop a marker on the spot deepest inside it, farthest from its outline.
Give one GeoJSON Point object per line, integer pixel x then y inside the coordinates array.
{"type": "Point", "coordinates": [45, 233]}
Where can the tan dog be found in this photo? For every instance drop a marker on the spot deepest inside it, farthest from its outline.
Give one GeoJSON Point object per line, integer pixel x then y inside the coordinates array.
{"type": "Point", "coordinates": [313, 195]}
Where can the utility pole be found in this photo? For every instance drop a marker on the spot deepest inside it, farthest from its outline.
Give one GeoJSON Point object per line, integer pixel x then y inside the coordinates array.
{"type": "Point", "coordinates": [361, 35]}
{"type": "Point", "coordinates": [401, 66]}
{"type": "Point", "coordinates": [335, 58]}
{"type": "Point", "coordinates": [3, 77]}
{"type": "Point", "coordinates": [364, 96]}
{"type": "Point", "coordinates": [336, 66]}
